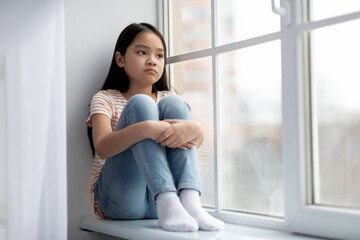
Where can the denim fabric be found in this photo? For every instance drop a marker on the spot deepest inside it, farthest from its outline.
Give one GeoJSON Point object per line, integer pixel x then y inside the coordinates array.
{"type": "Point", "coordinates": [130, 181]}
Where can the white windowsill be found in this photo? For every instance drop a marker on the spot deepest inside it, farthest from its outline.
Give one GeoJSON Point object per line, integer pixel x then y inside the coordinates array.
{"type": "Point", "coordinates": [148, 229]}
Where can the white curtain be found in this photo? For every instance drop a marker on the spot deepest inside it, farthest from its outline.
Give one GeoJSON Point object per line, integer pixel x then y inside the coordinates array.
{"type": "Point", "coordinates": [33, 184]}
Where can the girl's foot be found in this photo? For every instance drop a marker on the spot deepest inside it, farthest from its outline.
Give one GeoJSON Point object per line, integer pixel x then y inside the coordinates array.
{"type": "Point", "coordinates": [190, 199]}
{"type": "Point", "coordinates": [172, 215]}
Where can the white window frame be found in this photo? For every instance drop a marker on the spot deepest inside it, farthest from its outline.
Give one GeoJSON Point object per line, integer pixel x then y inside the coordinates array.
{"type": "Point", "coordinates": [303, 217]}
{"type": "Point", "coordinates": [299, 216]}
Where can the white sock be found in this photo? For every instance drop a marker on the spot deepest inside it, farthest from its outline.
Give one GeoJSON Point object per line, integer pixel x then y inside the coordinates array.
{"type": "Point", "coordinates": [190, 199]}
{"type": "Point", "coordinates": [172, 215]}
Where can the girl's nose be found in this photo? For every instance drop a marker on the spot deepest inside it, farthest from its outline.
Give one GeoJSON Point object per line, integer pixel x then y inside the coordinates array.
{"type": "Point", "coordinates": [151, 61]}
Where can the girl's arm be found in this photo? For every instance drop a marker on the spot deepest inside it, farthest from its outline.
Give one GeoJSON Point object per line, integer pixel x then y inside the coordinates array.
{"type": "Point", "coordinates": [181, 134]}
{"type": "Point", "coordinates": [108, 143]}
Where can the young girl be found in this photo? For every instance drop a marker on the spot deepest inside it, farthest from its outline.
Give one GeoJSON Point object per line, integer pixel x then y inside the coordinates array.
{"type": "Point", "coordinates": [143, 139]}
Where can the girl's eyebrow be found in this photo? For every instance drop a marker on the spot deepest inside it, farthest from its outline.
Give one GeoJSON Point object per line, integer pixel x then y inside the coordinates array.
{"type": "Point", "coordinates": [144, 46]}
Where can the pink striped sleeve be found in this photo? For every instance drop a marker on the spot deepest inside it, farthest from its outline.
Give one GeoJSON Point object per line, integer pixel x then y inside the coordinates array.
{"type": "Point", "coordinates": [100, 103]}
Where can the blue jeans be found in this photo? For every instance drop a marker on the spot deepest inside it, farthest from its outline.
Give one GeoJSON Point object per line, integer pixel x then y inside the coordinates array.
{"type": "Point", "coordinates": [130, 181]}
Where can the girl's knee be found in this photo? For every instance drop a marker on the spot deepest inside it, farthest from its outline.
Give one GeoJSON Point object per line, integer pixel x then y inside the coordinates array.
{"type": "Point", "coordinates": [142, 104]}
{"type": "Point", "coordinates": [174, 106]}
{"type": "Point", "coordinates": [173, 100]}
{"type": "Point", "coordinates": [141, 98]}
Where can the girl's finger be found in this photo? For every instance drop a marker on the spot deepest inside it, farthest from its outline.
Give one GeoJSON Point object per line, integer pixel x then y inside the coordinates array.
{"type": "Point", "coordinates": [172, 143]}
{"type": "Point", "coordinates": [167, 141]}
{"type": "Point", "coordinates": [183, 148]}
{"type": "Point", "coordinates": [189, 145]}
{"type": "Point", "coordinates": [192, 143]}
{"type": "Point", "coordinates": [171, 120]}
{"type": "Point", "coordinates": [165, 135]}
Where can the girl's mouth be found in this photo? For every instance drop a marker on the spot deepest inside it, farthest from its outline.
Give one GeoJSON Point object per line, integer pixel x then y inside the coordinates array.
{"type": "Point", "coordinates": [151, 70]}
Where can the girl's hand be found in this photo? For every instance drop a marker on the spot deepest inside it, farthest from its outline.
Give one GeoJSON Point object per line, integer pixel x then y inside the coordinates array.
{"type": "Point", "coordinates": [182, 134]}
{"type": "Point", "coordinates": [157, 128]}
{"type": "Point", "coordinates": [188, 145]}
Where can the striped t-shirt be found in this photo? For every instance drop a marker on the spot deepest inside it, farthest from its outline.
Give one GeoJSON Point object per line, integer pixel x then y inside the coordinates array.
{"type": "Point", "coordinates": [110, 103]}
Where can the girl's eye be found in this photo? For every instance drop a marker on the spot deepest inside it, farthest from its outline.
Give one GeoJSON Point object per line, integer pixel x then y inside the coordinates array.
{"type": "Point", "coordinates": [160, 56]}
{"type": "Point", "coordinates": [142, 52]}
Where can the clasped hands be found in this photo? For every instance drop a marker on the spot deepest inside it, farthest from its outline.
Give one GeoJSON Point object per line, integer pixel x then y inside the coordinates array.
{"type": "Point", "coordinates": [177, 133]}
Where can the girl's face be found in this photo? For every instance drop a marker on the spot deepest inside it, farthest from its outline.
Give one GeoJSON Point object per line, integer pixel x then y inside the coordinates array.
{"type": "Point", "coordinates": [143, 61]}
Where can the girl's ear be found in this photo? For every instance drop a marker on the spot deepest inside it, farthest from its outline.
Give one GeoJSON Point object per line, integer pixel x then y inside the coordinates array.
{"type": "Point", "coordinates": [119, 59]}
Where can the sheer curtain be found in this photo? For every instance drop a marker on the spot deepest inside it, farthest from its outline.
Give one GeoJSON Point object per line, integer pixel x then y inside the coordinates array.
{"type": "Point", "coordinates": [33, 201]}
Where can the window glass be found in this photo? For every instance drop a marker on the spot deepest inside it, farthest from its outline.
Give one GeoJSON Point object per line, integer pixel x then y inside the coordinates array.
{"type": "Point", "coordinates": [320, 9]}
{"type": "Point", "coordinates": [2, 142]}
{"type": "Point", "coordinates": [193, 81]}
{"type": "Point", "coordinates": [239, 20]}
{"type": "Point", "coordinates": [191, 26]}
{"type": "Point", "coordinates": [335, 78]}
{"type": "Point", "coordinates": [250, 110]}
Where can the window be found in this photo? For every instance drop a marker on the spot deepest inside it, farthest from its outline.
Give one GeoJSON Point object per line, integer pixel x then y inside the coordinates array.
{"type": "Point", "coordinates": [246, 125]}
{"type": "Point", "coordinates": [196, 88]}
{"type": "Point", "coordinates": [336, 115]}
{"type": "Point", "coordinates": [321, 9]}
{"type": "Point", "coordinates": [2, 145]}
{"type": "Point", "coordinates": [250, 128]}
{"type": "Point", "coordinates": [278, 99]}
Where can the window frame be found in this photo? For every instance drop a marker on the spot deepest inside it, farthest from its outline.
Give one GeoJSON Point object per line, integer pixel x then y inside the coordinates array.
{"type": "Point", "coordinates": [334, 222]}
{"type": "Point", "coordinates": [299, 215]}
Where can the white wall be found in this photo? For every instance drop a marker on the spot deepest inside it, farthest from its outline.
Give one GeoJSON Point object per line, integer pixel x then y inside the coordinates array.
{"type": "Point", "coordinates": [91, 29]}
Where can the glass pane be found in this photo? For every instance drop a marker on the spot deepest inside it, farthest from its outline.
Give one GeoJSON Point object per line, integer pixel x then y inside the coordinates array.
{"type": "Point", "coordinates": [250, 99]}
{"type": "Point", "coordinates": [2, 144]}
{"type": "Point", "coordinates": [320, 9]}
{"type": "Point", "coordinates": [193, 81]}
{"type": "Point", "coordinates": [335, 77]}
{"type": "Point", "coordinates": [239, 20]}
{"type": "Point", "coordinates": [191, 26]}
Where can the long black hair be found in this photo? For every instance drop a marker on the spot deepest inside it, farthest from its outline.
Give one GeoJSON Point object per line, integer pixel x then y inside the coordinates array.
{"type": "Point", "coordinates": [117, 78]}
